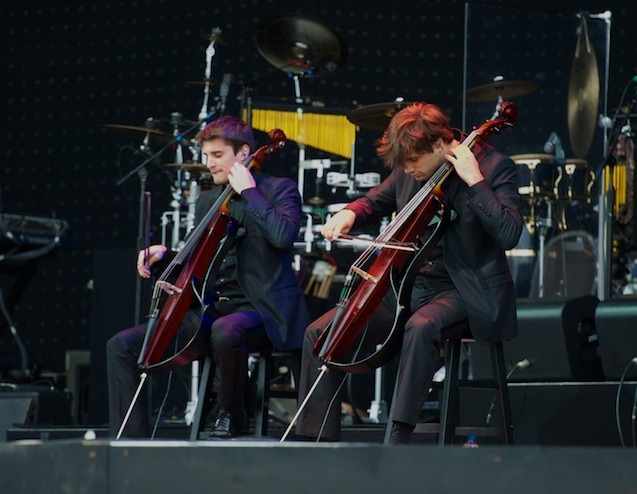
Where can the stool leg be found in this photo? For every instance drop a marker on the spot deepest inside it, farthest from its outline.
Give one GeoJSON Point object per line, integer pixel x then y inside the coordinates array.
{"type": "Point", "coordinates": [263, 395]}
{"type": "Point", "coordinates": [449, 406]}
{"type": "Point", "coordinates": [201, 408]}
{"type": "Point", "coordinates": [503, 403]}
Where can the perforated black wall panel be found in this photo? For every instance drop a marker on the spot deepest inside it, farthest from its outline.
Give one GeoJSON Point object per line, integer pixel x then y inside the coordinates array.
{"type": "Point", "coordinates": [72, 69]}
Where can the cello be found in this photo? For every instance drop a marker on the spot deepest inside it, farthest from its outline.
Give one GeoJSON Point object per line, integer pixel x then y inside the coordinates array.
{"type": "Point", "coordinates": [391, 262]}
{"type": "Point", "coordinates": [197, 263]}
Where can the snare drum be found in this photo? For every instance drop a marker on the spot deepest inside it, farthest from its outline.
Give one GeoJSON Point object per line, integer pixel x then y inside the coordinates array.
{"type": "Point", "coordinates": [578, 180]}
{"type": "Point", "coordinates": [538, 176]}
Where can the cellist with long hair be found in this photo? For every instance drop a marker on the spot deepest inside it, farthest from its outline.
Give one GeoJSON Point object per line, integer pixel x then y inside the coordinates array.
{"type": "Point", "coordinates": [254, 301]}
{"type": "Point", "coordinates": [464, 276]}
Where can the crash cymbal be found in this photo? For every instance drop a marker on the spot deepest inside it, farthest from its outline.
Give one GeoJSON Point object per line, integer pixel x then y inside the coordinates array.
{"type": "Point", "coordinates": [501, 89]}
{"type": "Point", "coordinates": [376, 116]}
{"type": "Point", "coordinates": [299, 44]}
{"type": "Point", "coordinates": [583, 94]}
{"type": "Point", "coordinates": [131, 129]}
{"type": "Point", "coordinates": [194, 168]}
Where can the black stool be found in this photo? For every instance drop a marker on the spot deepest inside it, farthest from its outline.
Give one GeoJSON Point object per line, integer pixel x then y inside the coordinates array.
{"type": "Point", "coordinates": [264, 391]}
{"type": "Point", "coordinates": [449, 426]}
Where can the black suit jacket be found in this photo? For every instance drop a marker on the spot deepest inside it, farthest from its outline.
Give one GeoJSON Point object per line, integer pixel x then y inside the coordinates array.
{"type": "Point", "coordinates": [270, 218]}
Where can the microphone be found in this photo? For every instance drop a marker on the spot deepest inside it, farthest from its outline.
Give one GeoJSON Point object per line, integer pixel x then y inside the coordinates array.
{"type": "Point", "coordinates": [553, 145]}
{"type": "Point", "coordinates": [224, 89]}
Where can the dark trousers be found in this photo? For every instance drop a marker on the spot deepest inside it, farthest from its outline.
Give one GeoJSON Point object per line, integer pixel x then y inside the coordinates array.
{"type": "Point", "coordinates": [428, 324]}
{"type": "Point", "coordinates": [232, 337]}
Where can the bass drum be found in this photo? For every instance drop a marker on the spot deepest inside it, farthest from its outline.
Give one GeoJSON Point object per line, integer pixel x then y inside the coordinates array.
{"type": "Point", "coordinates": [569, 267]}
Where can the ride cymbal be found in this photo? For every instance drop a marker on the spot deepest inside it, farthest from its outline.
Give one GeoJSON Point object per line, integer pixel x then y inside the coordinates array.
{"type": "Point", "coordinates": [501, 89]}
{"type": "Point", "coordinates": [376, 116]}
{"type": "Point", "coordinates": [300, 44]}
{"type": "Point", "coordinates": [154, 134]}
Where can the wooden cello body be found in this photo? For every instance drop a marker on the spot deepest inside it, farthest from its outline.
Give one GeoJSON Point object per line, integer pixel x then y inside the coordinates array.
{"type": "Point", "coordinates": [391, 263]}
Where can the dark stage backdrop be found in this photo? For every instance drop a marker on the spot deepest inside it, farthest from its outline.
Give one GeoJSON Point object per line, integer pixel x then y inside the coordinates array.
{"type": "Point", "coordinates": [71, 70]}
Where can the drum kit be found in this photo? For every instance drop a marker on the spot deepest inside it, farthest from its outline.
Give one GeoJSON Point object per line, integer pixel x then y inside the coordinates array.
{"type": "Point", "coordinates": [550, 184]}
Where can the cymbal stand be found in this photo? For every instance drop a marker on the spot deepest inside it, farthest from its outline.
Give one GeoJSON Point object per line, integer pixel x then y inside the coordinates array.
{"type": "Point", "coordinates": [210, 53]}
{"type": "Point", "coordinates": [542, 226]}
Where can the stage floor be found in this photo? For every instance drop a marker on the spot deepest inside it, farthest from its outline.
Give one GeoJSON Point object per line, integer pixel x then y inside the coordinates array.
{"type": "Point", "coordinates": [269, 467]}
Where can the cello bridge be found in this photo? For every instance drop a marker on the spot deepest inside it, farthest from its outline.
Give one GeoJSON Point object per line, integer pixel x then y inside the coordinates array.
{"type": "Point", "coordinates": [364, 274]}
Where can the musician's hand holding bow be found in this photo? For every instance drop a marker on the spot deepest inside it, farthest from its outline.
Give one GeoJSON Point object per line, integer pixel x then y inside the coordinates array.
{"type": "Point", "coordinates": [147, 257]}
{"type": "Point", "coordinates": [341, 223]}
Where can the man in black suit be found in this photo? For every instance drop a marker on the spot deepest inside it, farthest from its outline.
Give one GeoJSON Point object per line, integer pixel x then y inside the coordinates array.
{"type": "Point", "coordinates": [465, 277]}
{"type": "Point", "coordinates": [255, 300]}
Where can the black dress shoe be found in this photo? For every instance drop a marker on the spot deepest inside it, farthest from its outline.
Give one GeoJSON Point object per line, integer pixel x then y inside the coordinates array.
{"type": "Point", "coordinates": [223, 427]}
{"type": "Point", "coordinates": [227, 426]}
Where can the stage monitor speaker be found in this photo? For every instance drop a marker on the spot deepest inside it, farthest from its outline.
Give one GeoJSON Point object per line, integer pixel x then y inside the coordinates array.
{"type": "Point", "coordinates": [616, 321]}
{"type": "Point", "coordinates": [32, 405]}
{"type": "Point", "coordinates": [556, 336]}
{"type": "Point", "coordinates": [15, 408]}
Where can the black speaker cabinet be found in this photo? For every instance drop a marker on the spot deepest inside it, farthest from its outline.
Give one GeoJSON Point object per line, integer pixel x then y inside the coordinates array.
{"type": "Point", "coordinates": [556, 336]}
{"type": "Point", "coordinates": [616, 321]}
{"type": "Point", "coordinates": [32, 405]}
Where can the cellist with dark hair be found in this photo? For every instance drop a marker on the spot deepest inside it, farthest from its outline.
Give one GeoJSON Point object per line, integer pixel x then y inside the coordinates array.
{"type": "Point", "coordinates": [464, 277]}
{"type": "Point", "coordinates": [255, 301]}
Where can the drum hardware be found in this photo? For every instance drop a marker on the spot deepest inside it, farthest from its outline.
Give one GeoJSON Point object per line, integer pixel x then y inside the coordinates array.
{"type": "Point", "coordinates": [300, 45]}
{"type": "Point", "coordinates": [360, 180]}
{"type": "Point", "coordinates": [319, 165]}
{"type": "Point", "coordinates": [213, 37]}
{"type": "Point", "coordinates": [321, 279]}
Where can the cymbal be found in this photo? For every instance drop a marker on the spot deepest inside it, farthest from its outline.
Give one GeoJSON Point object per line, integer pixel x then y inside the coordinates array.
{"type": "Point", "coordinates": [131, 129]}
{"type": "Point", "coordinates": [583, 95]}
{"type": "Point", "coordinates": [539, 157]}
{"type": "Point", "coordinates": [194, 168]}
{"type": "Point", "coordinates": [501, 89]}
{"type": "Point", "coordinates": [299, 44]}
{"type": "Point", "coordinates": [214, 35]}
{"type": "Point", "coordinates": [376, 116]}
{"type": "Point", "coordinates": [203, 82]}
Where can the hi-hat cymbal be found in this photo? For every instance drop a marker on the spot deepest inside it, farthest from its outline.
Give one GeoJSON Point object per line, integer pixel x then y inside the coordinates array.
{"type": "Point", "coordinates": [376, 116]}
{"type": "Point", "coordinates": [214, 35]}
{"type": "Point", "coordinates": [194, 168]}
{"type": "Point", "coordinates": [300, 44]}
{"type": "Point", "coordinates": [583, 95]}
{"type": "Point", "coordinates": [501, 89]}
